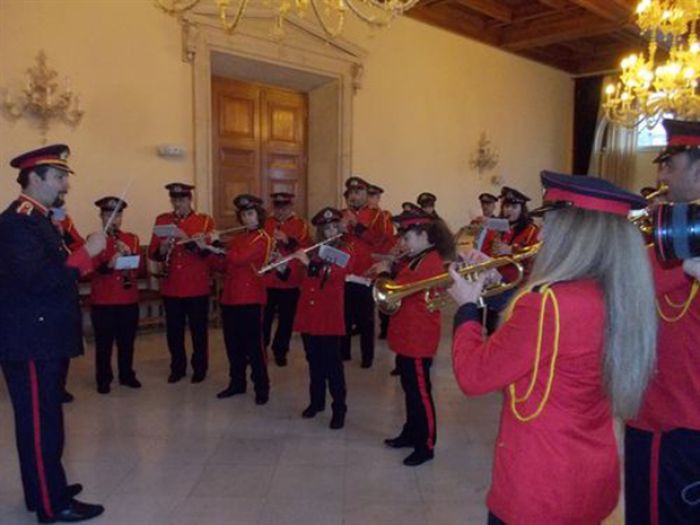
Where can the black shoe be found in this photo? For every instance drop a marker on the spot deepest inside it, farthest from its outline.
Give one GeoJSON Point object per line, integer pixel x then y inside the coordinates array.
{"type": "Point", "coordinates": [131, 383]}
{"type": "Point", "coordinates": [174, 378]}
{"type": "Point", "coordinates": [75, 511]}
{"type": "Point", "coordinates": [67, 397]}
{"type": "Point", "coordinates": [418, 457]}
{"type": "Point", "coordinates": [198, 377]}
{"type": "Point", "coordinates": [338, 419]}
{"type": "Point", "coordinates": [103, 389]}
{"type": "Point", "coordinates": [382, 335]}
{"type": "Point", "coordinates": [230, 391]}
{"type": "Point", "coordinates": [346, 358]}
{"type": "Point", "coordinates": [399, 442]}
{"type": "Point", "coordinates": [71, 491]}
{"type": "Point", "coordinates": [262, 399]}
{"type": "Point", "coordinates": [366, 364]}
{"type": "Point", "coordinates": [395, 372]}
{"type": "Point", "coordinates": [310, 411]}
{"type": "Point", "coordinates": [281, 360]}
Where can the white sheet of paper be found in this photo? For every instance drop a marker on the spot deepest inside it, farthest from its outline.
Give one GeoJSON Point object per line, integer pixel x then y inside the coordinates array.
{"type": "Point", "coordinates": [333, 255]}
{"type": "Point", "coordinates": [165, 230]}
{"type": "Point", "coordinates": [127, 262]}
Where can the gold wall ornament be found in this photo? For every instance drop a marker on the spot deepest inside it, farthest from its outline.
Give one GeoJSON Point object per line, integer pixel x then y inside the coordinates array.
{"type": "Point", "coordinates": [485, 158]}
{"type": "Point", "coordinates": [43, 99]}
{"type": "Point", "coordinates": [329, 13]}
{"type": "Point", "coordinates": [648, 89]}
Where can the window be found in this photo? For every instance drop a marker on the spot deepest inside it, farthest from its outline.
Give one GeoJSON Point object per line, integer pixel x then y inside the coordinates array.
{"type": "Point", "coordinates": [652, 138]}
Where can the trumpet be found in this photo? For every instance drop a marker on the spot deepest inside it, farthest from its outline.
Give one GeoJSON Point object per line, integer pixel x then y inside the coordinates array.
{"type": "Point", "coordinates": [643, 218]}
{"type": "Point", "coordinates": [285, 260]}
{"type": "Point", "coordinates": [388, 295]}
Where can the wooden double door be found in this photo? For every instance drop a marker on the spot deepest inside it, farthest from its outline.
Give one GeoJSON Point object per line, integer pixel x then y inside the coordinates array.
{"type": "Point", "coordinates": [259, 142]}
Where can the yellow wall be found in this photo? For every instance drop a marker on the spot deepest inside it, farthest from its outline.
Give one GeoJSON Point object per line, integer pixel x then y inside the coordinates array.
{"type": "Point", "coordinates": [427, 96]}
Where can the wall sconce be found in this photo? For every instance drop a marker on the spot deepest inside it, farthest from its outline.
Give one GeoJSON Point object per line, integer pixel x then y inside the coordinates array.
{"type": "Point", "coordinates": [43, 99]}
{"type": "Point", "coordinates": [484, 158]}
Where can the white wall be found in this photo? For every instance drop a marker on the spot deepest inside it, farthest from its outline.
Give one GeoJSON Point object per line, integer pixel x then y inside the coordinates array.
{"type": "Point", "coordinates": [427, 96]}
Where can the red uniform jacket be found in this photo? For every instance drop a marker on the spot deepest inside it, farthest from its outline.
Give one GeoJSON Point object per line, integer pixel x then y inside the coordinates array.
{"type": "Point", "coordinates": [298, 232]}
{"type": "Point", "coordinates": [527, 237]}
{"type": "Point", "coordinates": [367, 237]}
{"type": "Point", "coordinates": [187, 271]}
{"type": "Point", "coordinates": [107, 285]}
{"type": "Point", "coordinates": [321, 307]}
{"type": "Point", "coordinates": [413, 330]}
{"type": "Point", "coordinates": [558, 467]}
{"type": "Point", "coordinates": [672, 399]}
{"type": "Point", "coordinates": [247, 253]}
{"type": "Point", "coordinates": [390, 237]}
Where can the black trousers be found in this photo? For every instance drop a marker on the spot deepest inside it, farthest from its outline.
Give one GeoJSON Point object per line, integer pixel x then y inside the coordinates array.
{"type": "Point", "coordinates": [283, 303]}
{"type": "Point", "coordinates": [420, 427]}
{"type": "Point", "coordinates": [325, 367]}
{"type": "Point", "coordinates": [36, 389]}
{"type": "Point", "coordinates": [383, 323]}
{"type": "Point", "coordinates": [244, 345]}
{"type": "Point", "coordinates": [359, 312]}
{"type": "Point", "coordinates": [178, 312]}
{"type": "Point", "coordinates": [670, 461]}
{"type": "Point", "coordinates": [114, 323]}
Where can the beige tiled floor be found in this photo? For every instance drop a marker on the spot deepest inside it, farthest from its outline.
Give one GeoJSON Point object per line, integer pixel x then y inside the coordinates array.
{"type": "Point", "coordinates": [174, 454]}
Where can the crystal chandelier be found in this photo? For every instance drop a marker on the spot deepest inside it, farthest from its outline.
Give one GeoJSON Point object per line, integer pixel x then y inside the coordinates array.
{"type": "Point", "coordinates": [329, 13]}
{"type": "Point", "coordinates": [44, 99]}
{"type": "Point", "coordinates": [647, 89]}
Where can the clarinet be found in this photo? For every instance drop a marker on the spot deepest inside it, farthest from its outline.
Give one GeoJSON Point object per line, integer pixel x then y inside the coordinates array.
{"type": "Point", "coordinates": [126, 274]}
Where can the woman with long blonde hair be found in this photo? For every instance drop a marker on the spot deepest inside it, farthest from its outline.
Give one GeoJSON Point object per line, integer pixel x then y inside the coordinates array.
{"type": "Point", "coordinates": [577, 348]}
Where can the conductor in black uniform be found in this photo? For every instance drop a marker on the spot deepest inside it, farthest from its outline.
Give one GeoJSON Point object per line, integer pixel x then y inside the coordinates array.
{"type": "Point", "coordinates": [40, 328]}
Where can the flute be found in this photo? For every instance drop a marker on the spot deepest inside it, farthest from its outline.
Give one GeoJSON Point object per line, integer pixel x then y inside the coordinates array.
{"type": "Point", "coordinates": [203, 235]}
{"type": "Point", "coordinates": [288, 258]}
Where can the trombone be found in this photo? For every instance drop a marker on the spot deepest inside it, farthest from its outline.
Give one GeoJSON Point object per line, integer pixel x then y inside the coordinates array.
{"type": "Point", "coordinates": [387, 294]}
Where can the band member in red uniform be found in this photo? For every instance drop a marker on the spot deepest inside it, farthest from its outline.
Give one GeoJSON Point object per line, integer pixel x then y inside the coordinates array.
{"type": "Point", "coordinates": [414, 332]}
{"type": "Point", "coordinates": [662, 445]}
{"type": "Point", "coordinates": [185, 284]}
{"type": "Point", "coordinates": [40, 329]}
{"type": "Point", "coordinates": [243, 298]}
{"type": "Point", "coordinates": [374, 196]}
{"type": "Point", "coordinates": [576, 349]}
{"type": "Point", "coordinates": [487, 201]}
{"type": "Point", "coordinates": [321, 320]}
{"type": "Point", "coordinates": [523, 233]}
{"type": "Point", "coordinates": [289, 233]}
{"type": "Point", "coordinates": [114, 300]}
{"type": "Point", "coordinates": [365, 234]}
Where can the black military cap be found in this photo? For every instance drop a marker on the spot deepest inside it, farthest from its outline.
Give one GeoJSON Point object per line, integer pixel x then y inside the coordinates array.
{"type": "Point", "coordinates": [409, 206]}
{"type": "Point", "coordinates": [281, 198]}
{"type": "Point", "coordinates": [373, 189]}
{"type": "Point", "coordinates": [680, 136]}
{"type": "Point", "coordinates": [55, 156]}
{"type": "Point", "coordinates": [426, 199]}
{"type": "Point", "coordinates": [356, 183]}
{"type": "Point", "coordinates": [409, 219]}
{"type": "Point", "coordinates": [245, 201]}
{"type": "Point", "coordinates": [326, 216]}
{"type": "Point", "coordinates": [111, 203]}
{"type": "Point", "coordinates": [179, 189]}
{"type": "Point", "coordinates": [513, 196]}
{"type": "Point", "coordinates": [487, 197]}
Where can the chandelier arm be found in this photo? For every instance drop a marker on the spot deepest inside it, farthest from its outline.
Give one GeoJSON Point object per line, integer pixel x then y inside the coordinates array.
{"type": "Point", "coordinates": [372, 20]}
{"type": "Point", "coordinates": [175, 7]}
{"type": "Point", "coordinates": [400, 9]}
{"type": "Point", "coordinates": [331, 32]}
{"type": "Point", "coordinates": [231, 26]}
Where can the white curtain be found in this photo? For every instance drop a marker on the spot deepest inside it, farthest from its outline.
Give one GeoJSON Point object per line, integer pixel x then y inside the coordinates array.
{"type": "Point", "coordinates": [614, 150]}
